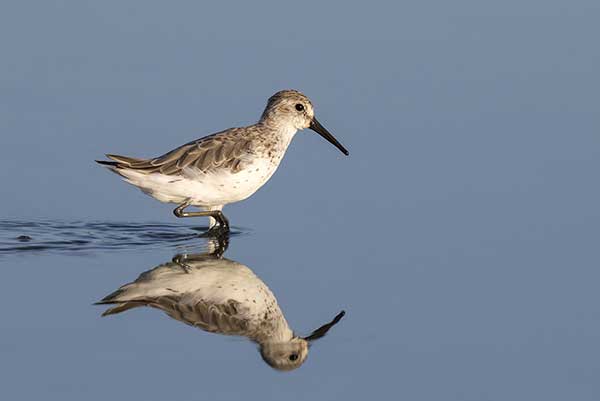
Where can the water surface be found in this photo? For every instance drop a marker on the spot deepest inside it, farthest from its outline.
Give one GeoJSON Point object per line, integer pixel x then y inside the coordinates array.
{"type": "Point", "coordinates": [460, 235]}
{"type": "Point", "coordinates": [470, 322]}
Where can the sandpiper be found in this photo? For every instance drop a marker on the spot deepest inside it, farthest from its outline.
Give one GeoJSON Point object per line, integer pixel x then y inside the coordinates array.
{"type": "Point", "coordinates": [224, 167]}
{"type": "Point", "coordinates": [220, 296]}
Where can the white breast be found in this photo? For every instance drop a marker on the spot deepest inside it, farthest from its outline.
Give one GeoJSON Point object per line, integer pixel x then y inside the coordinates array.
{"type": "Point", "coordinates": [219, 186]}
{"type": "Point", "coordinates": [214, 188]}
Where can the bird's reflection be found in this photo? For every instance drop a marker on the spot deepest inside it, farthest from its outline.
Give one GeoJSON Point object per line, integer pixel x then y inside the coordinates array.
{"type": "Point", "coordinates": [221, 296]}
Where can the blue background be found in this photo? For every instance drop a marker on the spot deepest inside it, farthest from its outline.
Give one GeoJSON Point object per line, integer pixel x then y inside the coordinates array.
{"type": "Point", "coordinates": [461, 235]}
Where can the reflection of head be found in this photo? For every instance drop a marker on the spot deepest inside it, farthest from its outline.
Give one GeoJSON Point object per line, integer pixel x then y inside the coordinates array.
{"type": "Point", "coordinates": [285, 355]}
{"type": "Point", "coordinates": [291, 354]}
{"type": "Point", "coordinates": [219, 296]}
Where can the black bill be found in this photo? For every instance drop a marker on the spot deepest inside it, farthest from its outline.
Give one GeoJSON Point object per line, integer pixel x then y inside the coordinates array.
{"type": "Point", "coordinates": [321, 331]}
{"type": "Point", "coordinates": [316, 126]}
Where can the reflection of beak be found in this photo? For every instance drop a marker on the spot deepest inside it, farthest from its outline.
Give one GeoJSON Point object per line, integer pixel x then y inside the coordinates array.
{"type": "Point", "coordinates": [321, 331]}
{"type": "Point", "coordinates": [316, 126]}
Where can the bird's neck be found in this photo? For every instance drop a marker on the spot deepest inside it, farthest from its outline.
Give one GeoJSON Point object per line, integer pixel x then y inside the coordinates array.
{"type": "Point", "coordinates": [281, 132]}
{"type": "Point", "coordinates": [276, 330]}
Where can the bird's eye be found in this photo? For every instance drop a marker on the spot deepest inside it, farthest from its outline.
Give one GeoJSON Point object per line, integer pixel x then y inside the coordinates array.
{"type": "Point", "coordinates": [299, 107]}
{"type": "Point", "coordinates": [293, 357]}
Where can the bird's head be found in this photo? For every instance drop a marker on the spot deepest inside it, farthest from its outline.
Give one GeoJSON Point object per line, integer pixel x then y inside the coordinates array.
{"type": "Point", "coordinates": [285, 356]}
{"type": "Point", "coordinates": [290, 108]}
{"type": "Point", "coordinates": [290, 355]}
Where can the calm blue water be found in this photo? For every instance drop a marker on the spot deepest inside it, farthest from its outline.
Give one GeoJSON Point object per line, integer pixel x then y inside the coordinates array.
{"type": "Point", "coordinates": [460, 235]}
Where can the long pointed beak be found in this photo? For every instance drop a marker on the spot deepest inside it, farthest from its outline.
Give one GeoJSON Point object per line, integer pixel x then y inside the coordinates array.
{"type": "Point", "coordinates": [321, 331]}
{"type": "Point", "coordinates": [316, 126]}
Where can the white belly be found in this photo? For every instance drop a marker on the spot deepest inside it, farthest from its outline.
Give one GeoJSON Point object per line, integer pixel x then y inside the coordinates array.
{"type": "Point", "coordinates": [215, 188]}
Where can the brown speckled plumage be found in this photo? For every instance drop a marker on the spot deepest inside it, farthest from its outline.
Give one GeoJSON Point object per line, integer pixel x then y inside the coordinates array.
{"type": "Point", "coordinates": [223, 150]}
{"type": "Point", "coordinates": [227, 149]}
{"type": "Point", "coordinates": [227, 166]}
{"type": "Point", "coordinates": [216, 295]}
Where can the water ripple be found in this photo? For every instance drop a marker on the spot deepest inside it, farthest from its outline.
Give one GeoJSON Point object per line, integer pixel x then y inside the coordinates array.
{"type": "Point", "coordinates": [18, 237]}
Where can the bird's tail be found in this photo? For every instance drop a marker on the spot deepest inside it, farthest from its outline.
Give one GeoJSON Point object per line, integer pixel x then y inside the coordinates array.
{"type": "Point", "coordinates": [141, 292]}
{"type": "Point", "coordinates": [120, 300]}
{"type": "Point", "coordinates": [121, 162]}
{"type": "Point", "coordinates": [120, 307]}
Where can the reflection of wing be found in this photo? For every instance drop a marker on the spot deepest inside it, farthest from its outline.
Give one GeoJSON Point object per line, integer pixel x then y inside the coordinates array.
{"type": "Point", "coordinates": [225, 318]}
{"type": "Point", "coordinates": [204, 292]}
{"type": "Point", "coordinates": [221, 150]}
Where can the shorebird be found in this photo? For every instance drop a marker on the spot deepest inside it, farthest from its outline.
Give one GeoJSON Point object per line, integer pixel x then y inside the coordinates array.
{"type": "Point", "coordinates": [220, 296]}
{"type": "Point", "coordinates": [224, 167]}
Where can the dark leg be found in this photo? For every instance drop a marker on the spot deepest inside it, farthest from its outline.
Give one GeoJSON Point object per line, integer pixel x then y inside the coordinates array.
{"type": "Point", "coordinates": [222, 221]}
{"type": "Point", "coordinates": [181, 261]}
{"type": "Point", "coordinates": [220, 244]}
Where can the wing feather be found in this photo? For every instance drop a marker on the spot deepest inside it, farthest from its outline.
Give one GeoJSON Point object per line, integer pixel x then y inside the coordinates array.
{"type": "Point", "coordinates": [225, 149]}
{"type": "Point", "coordinates": [224, 318]}
{"type": "Point", "coordinates": [188, 158]}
